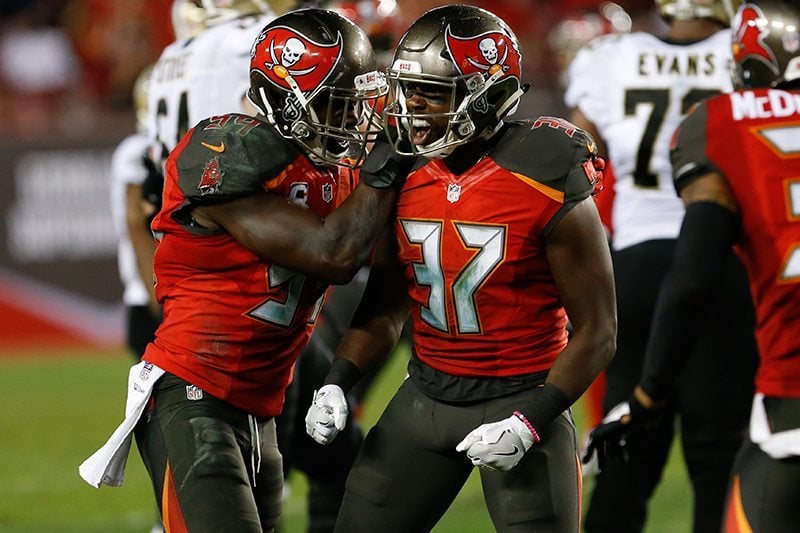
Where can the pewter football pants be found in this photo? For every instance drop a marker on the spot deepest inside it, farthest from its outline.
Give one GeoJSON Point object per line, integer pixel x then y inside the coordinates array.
{"type": "Point", "coordinates": [213, 467]}
{"type": "Point", "coordinates": [408, 471]}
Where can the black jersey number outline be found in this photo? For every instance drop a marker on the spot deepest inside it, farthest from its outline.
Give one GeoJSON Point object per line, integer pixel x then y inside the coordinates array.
{"type": "Point", "coordinates": [183, 120]}
{"type": "Point", "coordinates": [659, 100]}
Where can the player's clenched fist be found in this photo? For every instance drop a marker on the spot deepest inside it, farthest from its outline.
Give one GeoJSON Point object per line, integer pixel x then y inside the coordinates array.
{"type": "Point", "coordinates": [327, 415]}
{"type": "Point", "coordinates": [499, 445]}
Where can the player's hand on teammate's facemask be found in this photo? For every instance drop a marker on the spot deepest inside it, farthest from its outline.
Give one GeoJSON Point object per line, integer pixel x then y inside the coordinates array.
{"type": "Point", "coordinates": [637, 414]}
{"type": "Point", "coordinates": [384, 167]}
{"type": "Point", "coordinates": [499, 445]}
{"type": "Point", "coordinates": [327, 415]}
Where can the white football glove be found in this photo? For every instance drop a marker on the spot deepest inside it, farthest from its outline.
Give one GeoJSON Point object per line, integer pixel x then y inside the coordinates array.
{"type": "Point", "coordinates": [327, 415]}
{"type": "Point", "coordinates": [499, 445]}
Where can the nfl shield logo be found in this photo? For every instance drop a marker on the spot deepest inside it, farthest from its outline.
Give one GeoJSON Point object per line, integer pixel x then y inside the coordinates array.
{"type": "Point", "coordinates": [453, 192]}
{"type": "Point", "coordinates": [327, 193]}
{"type": "Point", "coordinates": [194, 393]}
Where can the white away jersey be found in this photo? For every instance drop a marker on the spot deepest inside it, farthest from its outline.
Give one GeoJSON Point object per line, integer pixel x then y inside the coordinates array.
{"type": "Point", "coordinates": [127, 168]}
{"type": "Point", "coordinates": [200, 77]}
{"type": "Point", "coordinates": [636, 88]}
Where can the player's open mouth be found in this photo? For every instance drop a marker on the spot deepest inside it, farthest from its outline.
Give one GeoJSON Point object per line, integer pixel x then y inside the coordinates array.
{"type": "Point", "coordinates": [422, 130]}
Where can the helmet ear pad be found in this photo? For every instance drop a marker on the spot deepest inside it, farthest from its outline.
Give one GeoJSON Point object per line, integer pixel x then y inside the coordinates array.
{"type": "Point", "coordinates": [489, 109]}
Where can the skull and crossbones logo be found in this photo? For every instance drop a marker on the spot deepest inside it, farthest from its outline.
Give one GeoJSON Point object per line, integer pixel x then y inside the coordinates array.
{"type": "Point", "coordinates": [292, 51]}
{"type": "Point", "coordinates": [488, 49]}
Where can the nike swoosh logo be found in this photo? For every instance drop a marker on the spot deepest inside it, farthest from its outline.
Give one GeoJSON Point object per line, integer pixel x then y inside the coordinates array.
{"type": "Point", "coordinates": [217, 148]}
{"type": "Point", "coordinates": [515, 451]}
{"type": "Point", "coordinates": [592, 147]}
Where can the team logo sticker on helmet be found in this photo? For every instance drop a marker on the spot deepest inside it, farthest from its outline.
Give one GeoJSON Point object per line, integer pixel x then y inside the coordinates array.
{"type": "Point", "coordinates": [485, 53]}
{"type": "Point", "coordinates": [285, 53]}
{"type": "Point", "coordinates": [751, 29]}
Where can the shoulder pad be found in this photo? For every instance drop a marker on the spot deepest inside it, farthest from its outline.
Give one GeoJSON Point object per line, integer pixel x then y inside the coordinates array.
{"type": "Point", "coordinates": [688, 147]}
{"type": "Point", "coordinates": [551, 151]}
{"type": "Point", "coordinates": [230, 156]}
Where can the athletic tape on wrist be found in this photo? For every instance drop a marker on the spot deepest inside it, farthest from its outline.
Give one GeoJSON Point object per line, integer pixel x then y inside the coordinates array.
{"type": "Point", "coordinates": [343, 373]}
{"type": "Point", "coordinates": [545, 404]}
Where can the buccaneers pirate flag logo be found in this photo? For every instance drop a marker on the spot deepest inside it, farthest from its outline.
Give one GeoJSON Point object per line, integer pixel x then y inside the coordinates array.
{"type": "Point", "coordinates": [485, 53]}
{"type": "Point", "coordinates": [281, 52]}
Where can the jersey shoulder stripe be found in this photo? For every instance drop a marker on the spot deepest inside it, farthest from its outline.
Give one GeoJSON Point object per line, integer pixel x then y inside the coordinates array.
{"type": "Point", "coordinates": [550, 154]}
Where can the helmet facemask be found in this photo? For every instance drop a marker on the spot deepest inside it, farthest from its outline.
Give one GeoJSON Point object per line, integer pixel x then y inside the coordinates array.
{"type": "Point", "coordinates": [333, 125]}
{"type": "Point", "coordinates": [469, 115]}
{"type": "Point", "coordinates": [466, 53]}
{"type": "Point", "coordinates": [192, 17]}
{"type": "Point", "coordinates": [313, 76]}
{"type": "Point", "coordinates": [697, 9]}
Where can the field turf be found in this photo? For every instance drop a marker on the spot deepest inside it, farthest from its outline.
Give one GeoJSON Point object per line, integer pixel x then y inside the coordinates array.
{"type": "Point", "coordinates": [57, 406]}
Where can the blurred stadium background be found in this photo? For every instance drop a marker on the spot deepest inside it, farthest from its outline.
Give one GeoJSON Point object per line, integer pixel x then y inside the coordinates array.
{"type": "Point", "coordinates": [67, 69]}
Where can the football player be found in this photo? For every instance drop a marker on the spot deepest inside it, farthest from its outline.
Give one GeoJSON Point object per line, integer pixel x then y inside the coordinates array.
{"type": "Point", "coordinates": [630, 92]}
{"type": "Point", "coordinates": [750, 200]}
{"type": "Point", "coordinates": [130, 166]}
{"type": "Point", "coordinates": [495, 240]}
{"type": "Point", "coordinates": [205, 73]}
{"type": "Point", "coordinates": [248, 242]}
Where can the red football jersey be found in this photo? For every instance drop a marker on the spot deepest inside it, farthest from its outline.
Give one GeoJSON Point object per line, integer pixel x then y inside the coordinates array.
{"type": "Point", "coordinates": [753, 138]}
{"type": "Point", "coordinates": [472, 247]}
{"type": "Point", "coordinates": [233, 324]}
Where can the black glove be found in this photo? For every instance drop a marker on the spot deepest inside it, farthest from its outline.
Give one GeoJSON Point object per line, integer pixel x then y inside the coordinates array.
{"type": "Point", "coordinates": [623, 421]}
{"type": "Point", "coordinates": [384, 168]}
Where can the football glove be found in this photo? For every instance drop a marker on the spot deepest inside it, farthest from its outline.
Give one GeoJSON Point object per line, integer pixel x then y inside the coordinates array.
{"type": "Point", "coordinates": [327, 415]}
{"type": "Point", "coordinates": [625, 419]}
{"type": "Point", "coordinates": [499, 445]}
{"type": "Point", "coordinates": [384, 168]}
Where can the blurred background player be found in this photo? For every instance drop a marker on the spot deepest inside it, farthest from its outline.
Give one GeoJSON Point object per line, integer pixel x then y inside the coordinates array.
{"type": "Point", "coordinates": [575, 30]}
{"type": "Point", "coordinates": [205, 72]}
{"type": "Point", "coordinates": [130, 166]}
{"type": "Point", "coordinates": [631, 91]}
{"type": "Point", "coordinates": [495, 240]}
{"type": "Point", "coordinates": [750, 200]}
{"type": "Point", "coordinates": [381, 19]}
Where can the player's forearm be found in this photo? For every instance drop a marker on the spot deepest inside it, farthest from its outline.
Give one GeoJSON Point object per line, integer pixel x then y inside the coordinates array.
{"type": "Point", "coordinates": [378, 322]}
{"type": "Point", "coordinates": [142, 241]}
{"type": "Point", "coordinates": [350, 232]}
{"type": "Point", "coordinates": [591, 347]}
{"type": "Point", "coordinates": [704, 245]}
{"type": "Point", "coordinates": [362, 349]}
